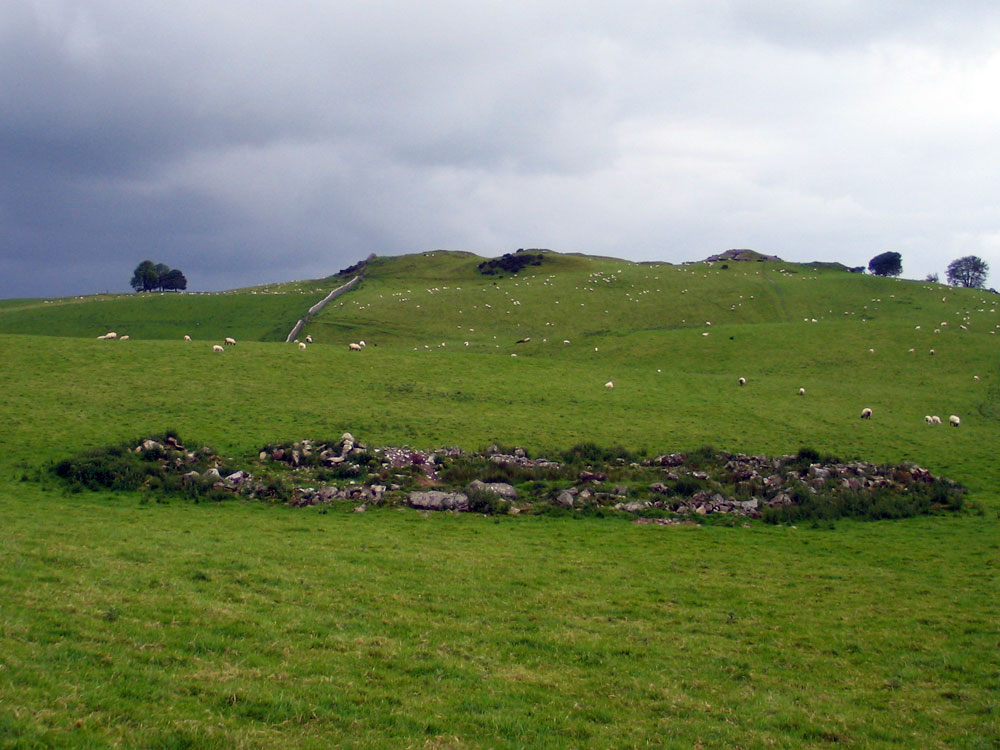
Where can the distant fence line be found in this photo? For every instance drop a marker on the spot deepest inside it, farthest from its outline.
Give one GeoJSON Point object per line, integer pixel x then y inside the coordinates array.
{"type": "Point", "coordinates": [321, 304]}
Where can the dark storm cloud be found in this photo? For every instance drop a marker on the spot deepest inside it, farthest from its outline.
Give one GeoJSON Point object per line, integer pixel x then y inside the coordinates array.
{"type": "Point", "coordinates": [252, 143]}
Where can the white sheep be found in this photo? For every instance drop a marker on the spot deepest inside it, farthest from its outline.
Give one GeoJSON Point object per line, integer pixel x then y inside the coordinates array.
{"type": "Point", "coordinates": [186, 337]}
{"type": "Point", "coordinates": [742, 381]}
{"type": "Point", "coordinates": [935, 419]}
{"type": "Point", "coordinates": [929, 419]}
{"type": "Point", "coordinates": [102, 337]}
{"type": "Point", "coordinates": [302, 345]}
{"type": "Point", "coordinates": [866, 413]}
{"type": "Point", "coordinates": [217, 348]}
{"type": "Point", "coordinates": [230, 341]}
{"type": "Point", "coordinates": [954, 421]}
{"type": "Point", "coordinates": [932, 352]}
{"type": "Point", "coordinates": [610, 384]}
{"type": "Point", "coordinates": [124, 338]}
{"type": "Point", "coordinates": [309, 339]}
{"type": "Point", "coordinates": [354, 347]}
{"type": "Point", "coordinates": [802, 391]}
{"type": "Point", "coordinates": [111, 335]}
{"type": "Point", "coordinates": [362, 344]}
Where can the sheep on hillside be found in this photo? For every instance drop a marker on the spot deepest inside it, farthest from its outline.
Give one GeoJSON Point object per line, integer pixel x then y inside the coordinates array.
{"type": "Point", "coordinates": [309, 339]}
{"type": "Point", "coordinates": [302, 345]}
{"type": "Point", "coordinates": [111, 335]}
{"type": "Point", "coordinates": [742, 381]}
{"type": "Point", "coordinates": [802, 391]}
{"type": "Point", "coordinates": [186, 337]}
{"type": "Point", "coordinates": [866, 413]}
{"type": "Point", "coordinates": [217, 348]}
{"type": "Point", "coordinates": [230, 341]}
{"type": "Point", "coordinates": [124, 338]}
{"type": "Point", "coordinates": [354, 347]}
{"type": "Point", "coordinates": [610, 384]}
{"type": "Point", "coordinates": [954, 421]}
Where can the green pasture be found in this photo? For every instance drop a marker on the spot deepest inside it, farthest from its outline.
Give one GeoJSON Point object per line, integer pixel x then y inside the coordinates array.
{"type": "Point", "coordinates": [131, 623]}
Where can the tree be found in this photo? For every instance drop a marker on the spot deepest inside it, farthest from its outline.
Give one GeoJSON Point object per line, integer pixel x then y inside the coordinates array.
{"type": "Point", "coordinates": [144, 278]}
{"type": "Point", "coordinates": [886, 264]}
{"type": "Point", "coordinates": [969, 271]}
{"type": "Point", "coordinates": [932, 277]}
{"type": "Point", "coordinates": [162, 269]}
{"type": "Point", "coordinates": [174, 281]}
{"type": "Point", "coordinates": [149, 277]}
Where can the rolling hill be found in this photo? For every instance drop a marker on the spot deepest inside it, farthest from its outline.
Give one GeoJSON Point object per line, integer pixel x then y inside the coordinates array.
{"type": "Point", "coordinates": [265, 626]}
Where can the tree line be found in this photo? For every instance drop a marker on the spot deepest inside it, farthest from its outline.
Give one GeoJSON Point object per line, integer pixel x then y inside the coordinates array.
{"type": "Point", "coordinates": [969, 271]}
{"type": "Point", "coordinates": [157, 277]}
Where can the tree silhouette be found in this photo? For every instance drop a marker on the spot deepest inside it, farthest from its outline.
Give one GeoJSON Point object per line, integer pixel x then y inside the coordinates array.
{"type": "Point", "coordinates": [886, 264]}
{"type": "Point", "coordinates": [969, 271]}
{"type": "Point", "coordinates": [150, 277]}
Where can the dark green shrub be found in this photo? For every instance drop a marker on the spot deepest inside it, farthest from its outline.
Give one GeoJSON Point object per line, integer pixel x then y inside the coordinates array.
{"type": "Point", "coordinates": [686, 486]}
{"type": "Point", "coordinates": [481, 501]}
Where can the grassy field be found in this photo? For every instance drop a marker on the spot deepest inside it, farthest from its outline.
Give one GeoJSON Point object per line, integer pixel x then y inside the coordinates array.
{"type": "Point", "coordinates": [140, 624]}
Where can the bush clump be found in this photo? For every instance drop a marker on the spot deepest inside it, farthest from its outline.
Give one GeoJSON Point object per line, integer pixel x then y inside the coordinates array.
{"type": "Point", "coordinates": [510, 262]}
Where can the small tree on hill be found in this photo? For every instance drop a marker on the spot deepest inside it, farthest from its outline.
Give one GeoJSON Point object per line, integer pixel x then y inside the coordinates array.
{"type": "Point", "coordinates": [145, 278]}
{"type": "Point", "coordinates": [886, 264]}
{"type": "Point", "coordinates": [149, 277]}
{"type": "Point", "coordinates": [969, 271]}
{"type": "Point", "coordinates": [174, 281]}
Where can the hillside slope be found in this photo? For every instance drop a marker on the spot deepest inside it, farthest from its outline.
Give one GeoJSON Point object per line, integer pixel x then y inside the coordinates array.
{"type": "Point", "coordinates": [673, 339]}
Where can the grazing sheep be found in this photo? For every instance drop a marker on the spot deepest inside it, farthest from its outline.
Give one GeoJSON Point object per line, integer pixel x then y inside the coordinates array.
{"type": "Point", "coordinates": [866, 413]}
{"type": "Point", "coordinates": [976, 378]}
{"type": "Point", "coordinates": [124, 338]}
{"type": "Point", "coordinates": [111, 335]}
{"type": "Point", "coordinates": [954, 421]}
{"type": "Point", "coordinates": [911, 350]}
{"type": "Point", "coordinates": [935, 419]}
{"type": "Point", "coordinates": [932, 352]}
{"type": "Point", "coordinates": [309, 339]}
{"type": "Point", "coordinates": [610, 384]}
{"type": "Point", "coordinates": [929, 419]}
{"type": "Point", "coordinates": [302, 345]}
{"type": "Point", "coordinates": [802, 391]}
{"type": "Point", "coordinates": [217, 348]}
{"type": "Point", "coordinates": [354, 347]}
{"type": "Point", "coordinates": [101, 337]}
{"type": "Point", "coordinates": [362, 344]}
{"type": "Point", "coordinates": [186, 337]}
{"type": "Point", "coordinates": [742, 381]}
{"type": "Point", "coordinates": [230, 341]}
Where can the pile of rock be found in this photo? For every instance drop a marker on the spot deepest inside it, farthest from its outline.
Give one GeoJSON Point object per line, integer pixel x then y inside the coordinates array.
{"type": "Point", "coordinates": [367, 493]}
{"type": "Point", "coordinates": [305, 452]}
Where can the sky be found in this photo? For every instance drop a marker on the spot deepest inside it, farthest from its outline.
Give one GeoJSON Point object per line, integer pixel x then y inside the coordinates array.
{"type": "Point", "coordinates": [249, 143]}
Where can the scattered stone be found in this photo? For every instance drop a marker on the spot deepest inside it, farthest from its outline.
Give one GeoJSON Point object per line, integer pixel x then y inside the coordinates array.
{"type": "Point", "coordinates": [565, 499]}
{"type": "Point", "coordinates": [500, 489]}
{"type": "Point", "coordinates": [436, 500]}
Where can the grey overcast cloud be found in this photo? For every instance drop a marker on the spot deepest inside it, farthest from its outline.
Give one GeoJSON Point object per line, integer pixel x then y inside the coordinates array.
{"type": "Point", "coordinates": [246, 143]}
